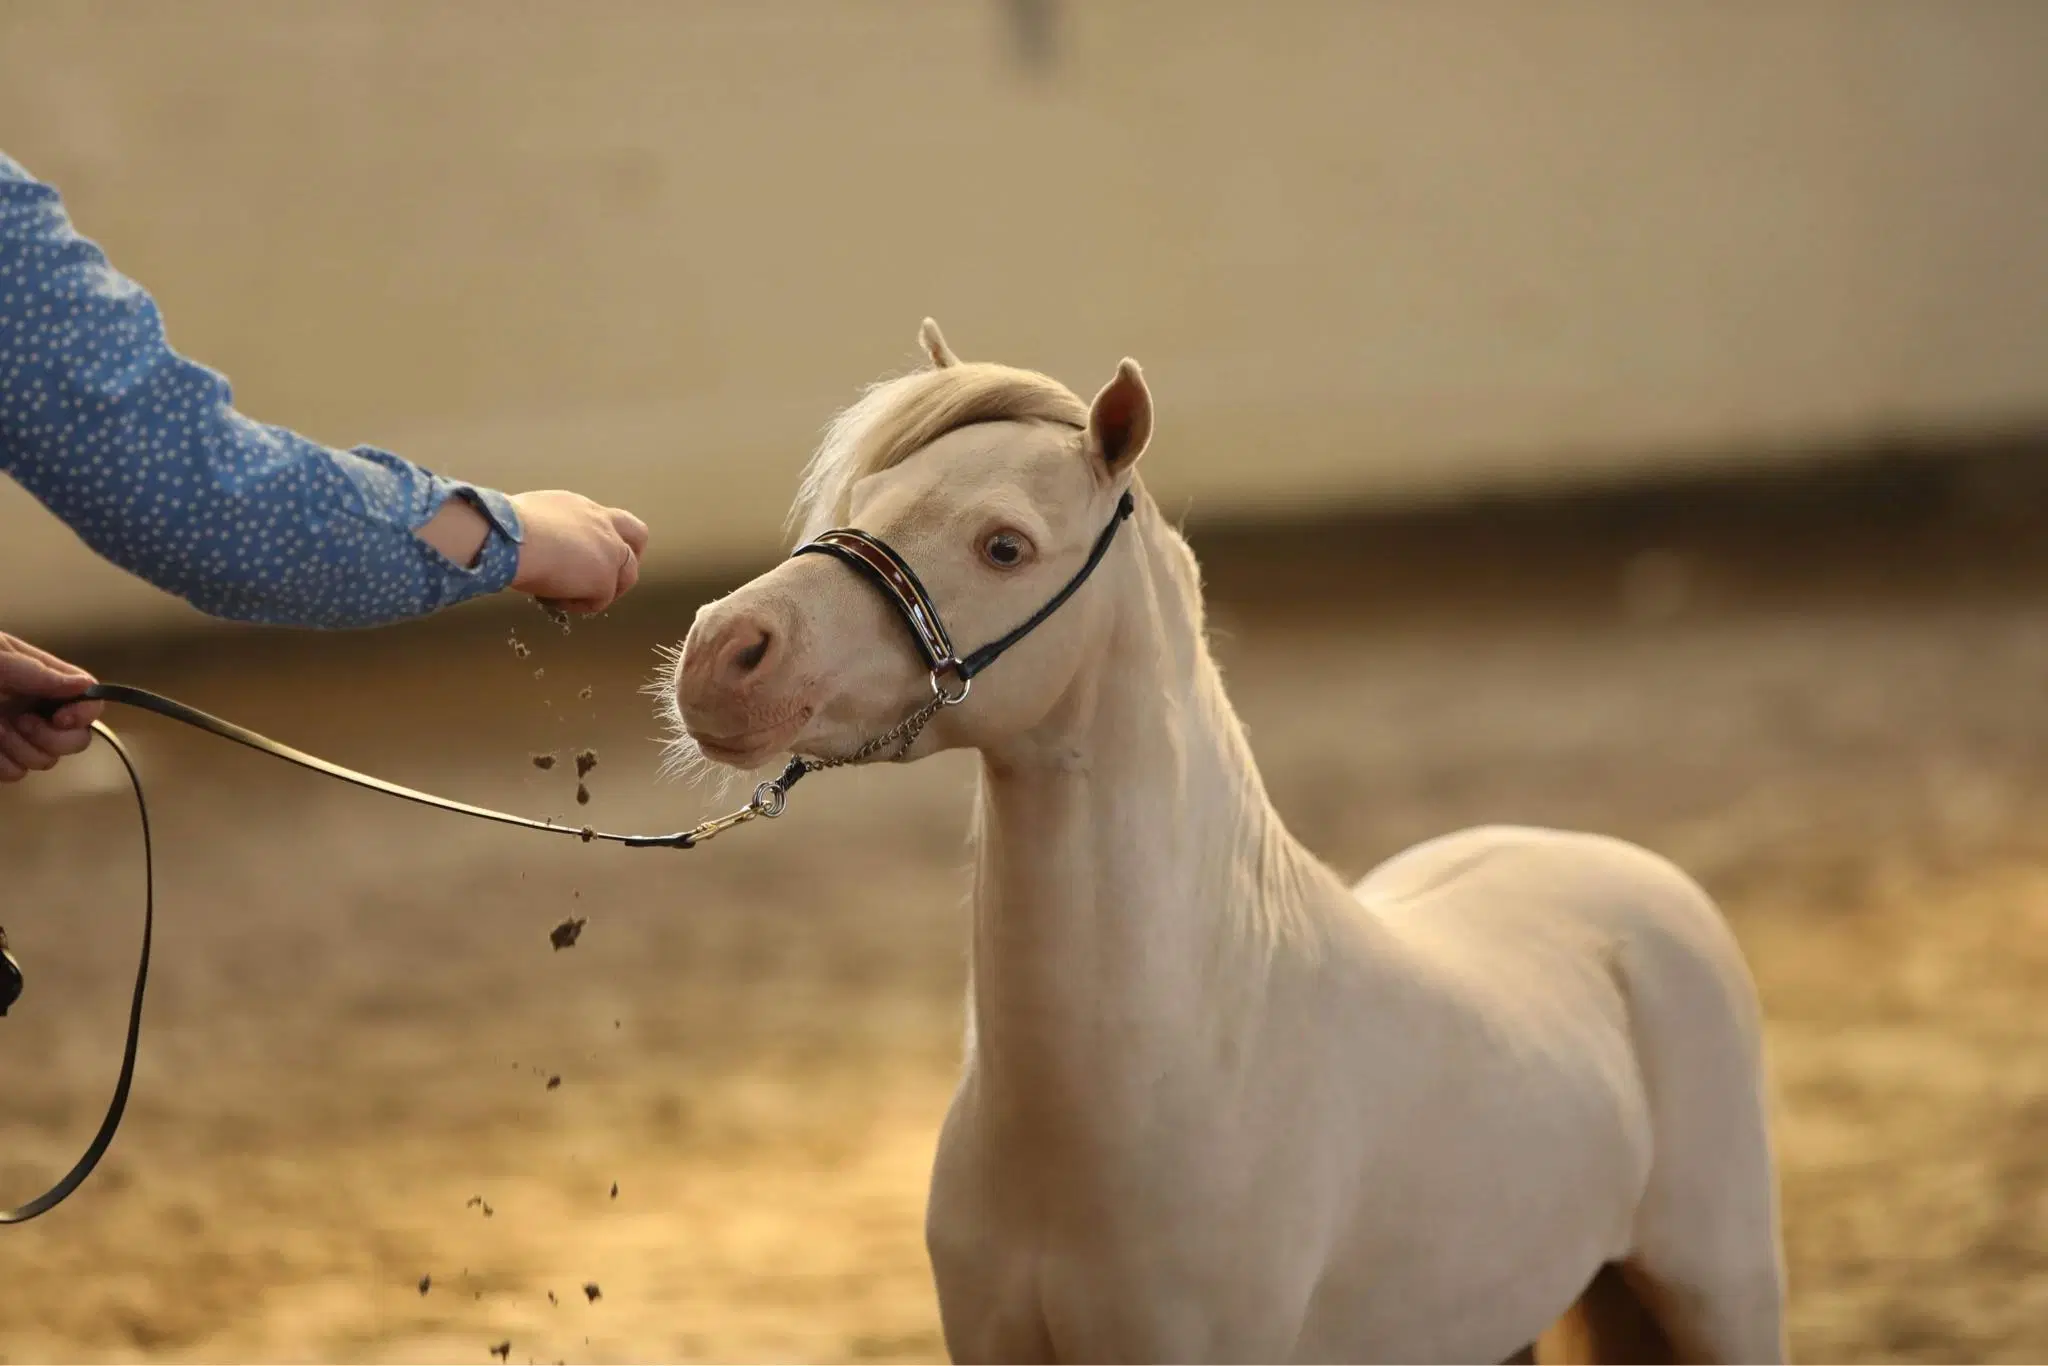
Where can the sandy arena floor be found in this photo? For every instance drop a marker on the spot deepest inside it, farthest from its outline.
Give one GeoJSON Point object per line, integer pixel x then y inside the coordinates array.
{"type": "Point", "coordinates": [356, 1013]}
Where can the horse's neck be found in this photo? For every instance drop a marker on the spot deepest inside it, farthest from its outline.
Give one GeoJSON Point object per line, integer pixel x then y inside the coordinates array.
{"type": "Point", "coordinates": [1134, 886]}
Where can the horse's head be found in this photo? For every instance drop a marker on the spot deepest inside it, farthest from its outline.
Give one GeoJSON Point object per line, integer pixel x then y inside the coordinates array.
{"type": "Point", "coordinates": [993, 485]}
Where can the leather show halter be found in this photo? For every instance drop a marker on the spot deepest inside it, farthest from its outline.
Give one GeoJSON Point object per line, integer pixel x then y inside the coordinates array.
{"type": "Point", "coordinates": [867, 553]}
{"type": "Point", "coordinates": [887, 570]}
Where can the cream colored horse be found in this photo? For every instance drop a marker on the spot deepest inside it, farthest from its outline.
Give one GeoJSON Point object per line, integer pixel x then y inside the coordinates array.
{"type": "Point", "coordinates": [1217, 1105]}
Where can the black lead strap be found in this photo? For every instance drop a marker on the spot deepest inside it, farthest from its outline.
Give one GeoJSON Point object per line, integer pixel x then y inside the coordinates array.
{"type": "Point", "coordinates": [11, 983]}
{"type": "Point", "coordinates": [101, 1141]}
{"type": "Point", "coordinates": [144, 700]}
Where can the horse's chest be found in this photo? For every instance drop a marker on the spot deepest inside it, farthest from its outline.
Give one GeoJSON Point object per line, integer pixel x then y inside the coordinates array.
{"type": "Point", "coordinates": [1068, 1262]}
{"type": "Point", "coordinates": [1067, 1300]}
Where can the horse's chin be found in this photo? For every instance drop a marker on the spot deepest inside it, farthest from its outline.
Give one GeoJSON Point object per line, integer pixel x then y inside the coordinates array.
{"type": "Point", "coordinates": [751, 749]}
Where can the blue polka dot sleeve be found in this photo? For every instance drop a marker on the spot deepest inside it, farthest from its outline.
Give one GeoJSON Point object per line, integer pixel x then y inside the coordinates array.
{"type": "Point", "coordinates": [141, 452]}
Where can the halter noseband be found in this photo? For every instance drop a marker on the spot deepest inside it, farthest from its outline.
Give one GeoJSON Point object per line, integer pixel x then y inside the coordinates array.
{"type": "Point", "coordinates": [879, 563]}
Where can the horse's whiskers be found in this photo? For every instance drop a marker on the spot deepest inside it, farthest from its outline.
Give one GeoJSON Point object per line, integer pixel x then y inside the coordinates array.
{"type": "Point", "coordinates": [682, 761]}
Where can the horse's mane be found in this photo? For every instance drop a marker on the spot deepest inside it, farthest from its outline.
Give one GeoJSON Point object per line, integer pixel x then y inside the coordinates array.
{"type": "Point", "coordinates": [895, 418]}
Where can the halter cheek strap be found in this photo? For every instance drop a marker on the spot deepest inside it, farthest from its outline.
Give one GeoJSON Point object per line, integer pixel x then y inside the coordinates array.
{"type": "Point", "coordinates": [879, 563]}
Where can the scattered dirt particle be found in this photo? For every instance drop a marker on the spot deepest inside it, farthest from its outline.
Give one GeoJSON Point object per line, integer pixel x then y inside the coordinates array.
{"type": "Point", "coordinates": [552, 1299]}
{"type": "Point", "coordinates": [588, 834]}
{"type": "Point", "coordinates": [586, 760]}
{"type": "Point", "coordinates": [615, 1024]}
{"type": "Point", "coordinates": [555, 1083]}
{"type": "Point", "coordinates": [554, 612]}
{"type": "Point", "coordinates": [503, 1351]}
{"type": "Point", "coordinates": [615, 1190]}
{"type": "Point", "coordinates": [519, 649]}
{"type": "Point", "coordinates": [565, 935]}
{"type": "Point", "coordinates": [540, 672]}
{"type": "Point", "coordinates": [426, 1284]}
{"type": "Point", "coordinates": [591, 1292]}
{"type": "Point", "coordinates": [478, 1202]}
{"type": "Point", "coordinates": [583, 693]}
{"type": "Point", "coordinates": [582, 795]}
{"type": "Point", "coordinates": [543, 762]}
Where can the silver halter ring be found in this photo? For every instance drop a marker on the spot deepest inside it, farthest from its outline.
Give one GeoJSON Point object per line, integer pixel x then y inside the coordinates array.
{"type": "Point", "coordinates": [950, 699]}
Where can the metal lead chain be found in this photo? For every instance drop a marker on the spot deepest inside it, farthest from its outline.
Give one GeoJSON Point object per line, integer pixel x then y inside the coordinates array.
{"type": "Point", "coordinates": [904, 733]}
{"type": "Point", "coordinates": [771, 798]}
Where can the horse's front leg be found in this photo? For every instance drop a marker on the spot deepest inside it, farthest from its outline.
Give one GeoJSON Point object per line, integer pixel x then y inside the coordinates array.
{"type": "Point", "coordinates": [990, 1306]}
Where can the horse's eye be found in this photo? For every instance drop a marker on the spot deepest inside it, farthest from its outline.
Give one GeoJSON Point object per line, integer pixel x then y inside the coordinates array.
{"type": "Point", "coordinates": [1004, 550]}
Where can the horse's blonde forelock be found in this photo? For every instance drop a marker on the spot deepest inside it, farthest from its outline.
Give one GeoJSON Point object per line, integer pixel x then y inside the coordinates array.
{"type": "Point", "coordinates": [893, 419]}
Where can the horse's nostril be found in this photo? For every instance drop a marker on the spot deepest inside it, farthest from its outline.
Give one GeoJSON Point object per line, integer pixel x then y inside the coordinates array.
{"type": "Point", "coordinates": [750, 658]}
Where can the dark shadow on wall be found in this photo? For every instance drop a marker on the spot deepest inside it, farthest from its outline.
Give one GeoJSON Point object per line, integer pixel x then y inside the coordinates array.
{"type": "Point", "coordinates": [1877, 525]}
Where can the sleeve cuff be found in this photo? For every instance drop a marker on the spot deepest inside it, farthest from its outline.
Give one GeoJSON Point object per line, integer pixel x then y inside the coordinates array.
{"type": "Point", "coordinates": [498, 561]}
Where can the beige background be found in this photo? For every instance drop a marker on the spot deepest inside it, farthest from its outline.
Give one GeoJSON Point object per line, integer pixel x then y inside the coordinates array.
{"type": "Point", "coordinates": [1364, 250]}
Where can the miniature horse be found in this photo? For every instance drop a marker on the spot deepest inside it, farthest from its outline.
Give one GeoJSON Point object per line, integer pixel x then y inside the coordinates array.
{"type": "Point", "coordinates": [1217, 1105]}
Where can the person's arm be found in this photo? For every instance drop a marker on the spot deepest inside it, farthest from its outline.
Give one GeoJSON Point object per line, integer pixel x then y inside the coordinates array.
{"type": "Point", "coordinates": [142, 453]}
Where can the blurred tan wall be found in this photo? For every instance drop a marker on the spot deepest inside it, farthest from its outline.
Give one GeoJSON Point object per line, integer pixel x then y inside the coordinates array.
{"type": "Point", "coordinates": [1365, 250]}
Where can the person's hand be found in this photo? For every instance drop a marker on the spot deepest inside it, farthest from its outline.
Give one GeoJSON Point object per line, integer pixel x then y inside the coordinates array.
{"type": "Point", "coordinates": [29, 676]}
{"type": "Point", "coordinates": [577, 554]}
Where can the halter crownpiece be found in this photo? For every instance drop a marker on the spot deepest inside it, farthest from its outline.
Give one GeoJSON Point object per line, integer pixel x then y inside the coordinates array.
{"type": "Point", "coordinates": [879, 563]}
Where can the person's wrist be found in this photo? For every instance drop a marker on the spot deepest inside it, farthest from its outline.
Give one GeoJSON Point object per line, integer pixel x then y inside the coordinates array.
{"type": "Point", "coordinates": [459, 530]}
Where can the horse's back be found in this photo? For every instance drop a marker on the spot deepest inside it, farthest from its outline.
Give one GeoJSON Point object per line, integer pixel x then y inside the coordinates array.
{"type": "Point", "coordinates": [1514, 896]}
{"type": "Point", "coordinates": [1588, 928]}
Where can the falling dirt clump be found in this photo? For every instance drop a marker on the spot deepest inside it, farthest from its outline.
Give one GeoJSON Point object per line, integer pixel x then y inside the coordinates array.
{"type": "Point", "coordinates": [519, 649]}
{"type": "Point", "coordinates": [583, 693]}
{"type": "Point", "coordinates": [582, 795]}
{"type": "Point", "coordinates": [552, 1299]}
{"type": "Point", "coordinates": [554, 1083]}
{"type": "Point", "coordinates": [540, 672]}
{"type": "Point", "coordinates": [426, 1284]}
{"type": "Point", "coordinates": [503, 1351]}
{"type": "Point", "coordinates": [555, 613]}
{"type": "Point", "coordinates": [478, 1202]}
{"type": "Point", "coordinates": [588, 834]}
{"type": "Point", "coordinates": [585, 761]}
{"type": "Point", "coordinates": [615, 1190]}
{"type": "Point", "coordinates": [591, 1292]}
{"type": "Point", "coordinates": [543, 762]}
{"type": "Point", "coordinates": [565, 935]}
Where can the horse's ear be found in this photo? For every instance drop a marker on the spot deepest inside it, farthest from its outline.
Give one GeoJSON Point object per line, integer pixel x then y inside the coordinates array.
{"type": "Point", "coordinates": [1120, 419]}
{"type": "Point", "coordinates": [934, 343]}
